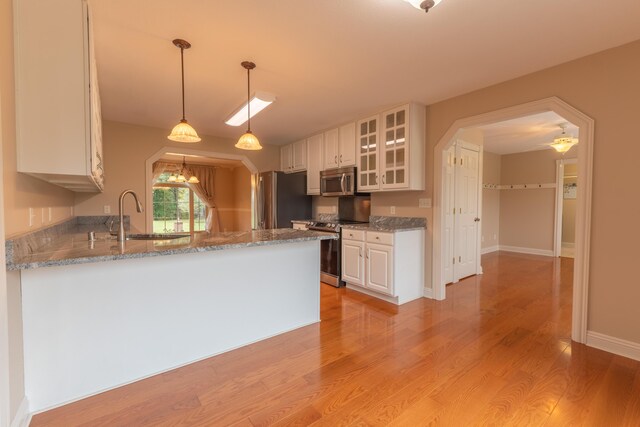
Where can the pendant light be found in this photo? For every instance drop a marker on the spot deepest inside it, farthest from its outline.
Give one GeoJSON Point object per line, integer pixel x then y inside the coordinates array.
{"type": "Point", "coordinates": [180, 175]}
{"type": "Point", "coordinates": [248, 141]}
{"type": "Point", "coordinates": [183, 132]}
{"type": "Point", "coordinates": [563, 142]}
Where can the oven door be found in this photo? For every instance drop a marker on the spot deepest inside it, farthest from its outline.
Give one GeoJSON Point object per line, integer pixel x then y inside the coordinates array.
{"type": "Point", "coordinates": [330, 262]}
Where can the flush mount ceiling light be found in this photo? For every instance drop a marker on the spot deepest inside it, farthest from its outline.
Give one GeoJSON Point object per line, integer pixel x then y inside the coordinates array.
{"type": "Point", "coordinates": [563, 142]}
{"type": "Point", "coordinates": [259, 101]}
{"type": "Point", "coordinates": [248, 141]}
{"type": "Point", "coordinates": [183, 132]}
{"type": "Point", "coordinates": [180, 175]}
{"type": "Point", "coordinates": [425, 5]}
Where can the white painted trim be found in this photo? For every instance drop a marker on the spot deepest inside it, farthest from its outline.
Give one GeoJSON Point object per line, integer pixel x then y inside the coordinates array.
{"type": "Point", "coordinates": [189, 151]}
{"type": "Point", "coordinates": [387, 298]}
{"type": "Point", "coordinates": [530, 251]}
{"type": "Point", "coordinates": [583, 212]}
{"type": "Point", "coordinates": [479, 212]}
{"type": "Point", "coordinates": [559, 204]}
{"type": "Point", "coordinates": [428, 293]}
{"type": "Point", "coordinates": [22, 417]}
{"type": "Point", "coordinates": [490, 249]}
{"type": "Point", "coordinates": [614, 345]}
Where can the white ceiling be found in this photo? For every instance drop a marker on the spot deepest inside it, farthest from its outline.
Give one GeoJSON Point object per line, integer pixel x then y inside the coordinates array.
{"type": "Point", "coordinates": [528, 133]}
{"type": "Point", "coordinates": [331, 61]}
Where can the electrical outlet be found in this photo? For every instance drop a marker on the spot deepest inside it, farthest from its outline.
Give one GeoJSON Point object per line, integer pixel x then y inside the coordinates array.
{"type": "Point", "coordinates": [50, 214]}
{"type": "Point", "coordinates": [424, 203]}
{"type": "Point", "coordinates": [392, 210]}
{"type": "Point", "coordinates": [495, 237]}
{"type": "Point", "coordinates": [42, 216]}
{"type": "Point", "coordinates": [334, 209]}
{"type": "Point", "coordinates": [107, 209]}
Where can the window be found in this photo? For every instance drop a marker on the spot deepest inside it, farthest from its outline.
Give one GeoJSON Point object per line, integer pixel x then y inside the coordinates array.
{"type": "Point", "coordinates": [176, 208]}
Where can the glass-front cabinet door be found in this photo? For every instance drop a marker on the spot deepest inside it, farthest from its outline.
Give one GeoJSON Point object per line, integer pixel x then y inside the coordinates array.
{"type": "Point", "coordinates": [368, 136]}
{"type": "Point", "coordinates": [394, 166]}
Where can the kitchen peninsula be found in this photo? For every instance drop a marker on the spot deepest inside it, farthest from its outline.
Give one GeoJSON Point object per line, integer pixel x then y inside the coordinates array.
{"type": "Point", "coordinates": [97, 315]}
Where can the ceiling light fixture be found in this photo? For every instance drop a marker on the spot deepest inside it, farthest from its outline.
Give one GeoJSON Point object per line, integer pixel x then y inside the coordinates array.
{"type": "Point", "coordinates": [425, 5]}
{"type": "Point", "coordinates": [563, 142]}
{"type": "Point", "coordinates": [180, 175]}
{"type": "Point", "coordinates": [183, 132]}
{"type": "Point", "coordinates": [259, 101]}
{"type": "Point", "coordinates": [248, 141]}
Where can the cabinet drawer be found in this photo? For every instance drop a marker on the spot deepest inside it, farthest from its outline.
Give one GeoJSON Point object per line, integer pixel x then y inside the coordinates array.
{"type": "Point", "coordinates": [379, 237]}
{"type": "Point", "coordinates": [348, 234]}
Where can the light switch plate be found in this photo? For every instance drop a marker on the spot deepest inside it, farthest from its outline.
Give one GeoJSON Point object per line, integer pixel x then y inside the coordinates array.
{"type": "Point", "coordinates": [107, 209]}
{"type": "Point", "coordinates": [393, 210]}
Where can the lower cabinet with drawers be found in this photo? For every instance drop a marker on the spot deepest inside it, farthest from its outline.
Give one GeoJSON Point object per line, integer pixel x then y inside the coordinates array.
{"type": "Point", "coordinates": [387, 265]}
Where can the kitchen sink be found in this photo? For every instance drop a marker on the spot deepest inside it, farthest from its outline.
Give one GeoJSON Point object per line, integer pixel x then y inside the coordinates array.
{"type": "Point", "coordinates": [155, 236]}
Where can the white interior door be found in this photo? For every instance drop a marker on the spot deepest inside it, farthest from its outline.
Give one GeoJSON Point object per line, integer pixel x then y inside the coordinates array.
{"type": "Point", "coordinates": [448, 203]}
{"type": "Point", "coordinates": [466, 214]}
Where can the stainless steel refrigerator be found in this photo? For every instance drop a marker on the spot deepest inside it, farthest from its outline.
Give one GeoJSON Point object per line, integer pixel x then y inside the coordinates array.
{"type": "Point", "coordinates": [280, 198]}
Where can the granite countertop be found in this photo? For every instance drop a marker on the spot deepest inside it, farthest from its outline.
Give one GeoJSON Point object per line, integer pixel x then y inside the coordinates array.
{"type": "Point", "coordinates": [71, 245]}
{"type": "Point", "coordinates": [389, 224]}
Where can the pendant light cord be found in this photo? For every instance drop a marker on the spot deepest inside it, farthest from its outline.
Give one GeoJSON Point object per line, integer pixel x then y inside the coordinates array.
{"type": "Point", "coordinates": [182, 69]}
{"type": "Point", "coordinates": [248, 100]}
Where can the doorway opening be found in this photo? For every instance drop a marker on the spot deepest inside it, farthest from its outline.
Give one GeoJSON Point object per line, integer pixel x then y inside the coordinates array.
{"type": "Point", "coordinates": [222, 199]}
{"type": "Point", "coordinates": [585, 126]}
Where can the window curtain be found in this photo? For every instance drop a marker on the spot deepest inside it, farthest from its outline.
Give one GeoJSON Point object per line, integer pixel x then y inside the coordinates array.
{"type": "Point", "coordinates": [161, 167]}
{"type": "Point", "coordinates": [205, 190]}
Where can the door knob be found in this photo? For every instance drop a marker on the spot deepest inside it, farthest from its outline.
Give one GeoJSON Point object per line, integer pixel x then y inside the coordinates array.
{"type": "Point", "coordinates": [477, 219]}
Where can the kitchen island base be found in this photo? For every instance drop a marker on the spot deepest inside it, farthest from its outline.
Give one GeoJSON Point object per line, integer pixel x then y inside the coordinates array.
{"type": "Point", "coordinates": [92, 327]}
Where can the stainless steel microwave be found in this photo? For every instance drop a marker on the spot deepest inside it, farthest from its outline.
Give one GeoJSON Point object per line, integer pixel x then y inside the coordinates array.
{"type": "Point", "coordinates": [338, 182]}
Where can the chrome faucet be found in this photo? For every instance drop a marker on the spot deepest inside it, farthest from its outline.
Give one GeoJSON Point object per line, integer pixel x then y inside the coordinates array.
{"type": "Point", "coordinates": [121, 235]}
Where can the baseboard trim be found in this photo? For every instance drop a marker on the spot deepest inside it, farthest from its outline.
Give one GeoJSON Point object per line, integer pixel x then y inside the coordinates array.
{"type": "Point", "coordinates": [428, 293]}
{"type": "Point", "coordinates": [530, 251]}
{"type": "Point", "coordinates": [392, 300]}
{"type": "Point", "coordinates": [23, 417]}
{"type": "Point", "coordinates": [614, 345]}
{"type": "Point", "coordinates": [489, 249]}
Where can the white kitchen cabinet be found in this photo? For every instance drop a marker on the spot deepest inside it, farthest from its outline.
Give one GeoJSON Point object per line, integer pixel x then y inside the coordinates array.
{"type": "Point", "coordinates": [347, 145]}
{"type": "Point", "coordinates": [58, 118]}
{"type": "Point", "coordinates": [293, 157]}
{"type": "Point", "coordinates": [353, 253]}
{"type": "Point", "coordinates": [299, 156]}
{"type": "Point", "coordinates": [391, 149]}
{"type": "Point", "coordinates": [340, 147]}
{"type": "Point", "coordinates": [314, 163]}
{"type": "Point", "coordinates": [368, 154]}
{"type": "Point", "coordinates": [331, 141]}
{"type": "Point", "coordinates": [392, 267]}
{"type": "Point", "coordinates": [286, 158]}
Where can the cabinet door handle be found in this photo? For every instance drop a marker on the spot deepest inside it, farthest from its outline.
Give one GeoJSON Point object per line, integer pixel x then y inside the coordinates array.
{"type": "Point", "coordinates": [336, 159]}
{"type": "Point", "coordinates": [340, 158]}
{"type": "Point", "coordinates": [376, 179]}
{"type": "Point", "coordinates": [367, 254]}
{"type": "Point", "coordinates": [377, 237]}
{"type": "Point", "coordinates": [383, 179]}
{"type": "Point", "coordinates": [360, 250]}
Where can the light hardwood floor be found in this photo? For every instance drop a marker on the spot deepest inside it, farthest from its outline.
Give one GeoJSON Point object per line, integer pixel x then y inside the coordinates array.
{"type": "Point", "coordinates": [496, 352]}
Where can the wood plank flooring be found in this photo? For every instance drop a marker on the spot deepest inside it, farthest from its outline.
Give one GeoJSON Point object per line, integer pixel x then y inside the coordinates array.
{"type": "Point", "coordinates": [496, 352]}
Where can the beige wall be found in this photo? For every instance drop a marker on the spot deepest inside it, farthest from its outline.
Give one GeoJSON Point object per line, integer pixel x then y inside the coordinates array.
{"type": "Point", "coordinates": [233, 197]}
{"type": "Point", "coordinates": [22, 192]}
{"type": "Point", "coordinates": [490, 200]}
{"type": "Point", "coordinates": [527, 217]}
{"type": "Point", "coordinates": [242, 198]}
{"type": "Point", "coordinates": [598, 85]}
{"type": "Point", "coordinates": [126, 149]}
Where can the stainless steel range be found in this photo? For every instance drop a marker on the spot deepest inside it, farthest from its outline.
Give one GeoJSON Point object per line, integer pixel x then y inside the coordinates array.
{"type": "Point", "coordinates": [330, 251]}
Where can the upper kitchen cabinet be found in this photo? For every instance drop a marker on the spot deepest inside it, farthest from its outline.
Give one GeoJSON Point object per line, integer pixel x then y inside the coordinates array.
{"type": "Point", "coordinates": [293, 157]}
{"type": "Point", "coordinates": [392, 154]}
{"type": "Point", "coordinates": [314, 163]}
{"type": "Point", "coordinates": [58, 119]}
{"type": "Point", "coordinates": [340, 147]}
{"type": "Point", "coordinates": [368, 154]}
